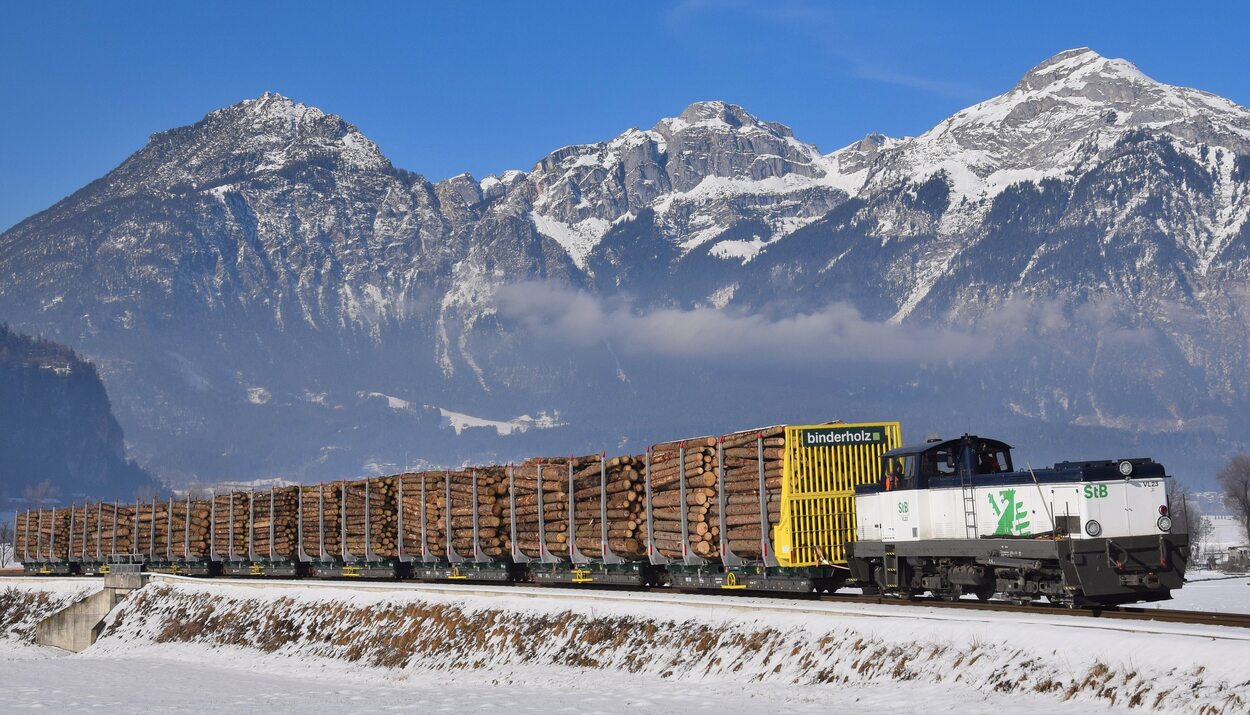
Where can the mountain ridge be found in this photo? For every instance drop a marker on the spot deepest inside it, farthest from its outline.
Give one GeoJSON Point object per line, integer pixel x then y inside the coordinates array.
{"type": "Point", "coordinates": [272, 249]}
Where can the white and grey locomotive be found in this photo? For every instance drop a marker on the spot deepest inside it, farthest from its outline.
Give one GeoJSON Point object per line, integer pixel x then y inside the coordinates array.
{"type": "Point", "coordinates": [957, 517]}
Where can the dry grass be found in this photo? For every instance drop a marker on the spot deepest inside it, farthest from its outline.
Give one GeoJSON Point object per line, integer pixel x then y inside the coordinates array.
{"type": "Point", "coordinates": [445, 636]}
{"type": "Point", "coordinates": [21, 609]}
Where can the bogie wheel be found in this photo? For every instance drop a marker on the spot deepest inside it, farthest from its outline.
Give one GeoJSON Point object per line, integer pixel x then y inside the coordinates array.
{"type": "Point", "coordinates": [984, 593]}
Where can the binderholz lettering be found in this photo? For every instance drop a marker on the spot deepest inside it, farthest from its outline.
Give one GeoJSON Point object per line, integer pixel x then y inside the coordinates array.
{"type": "Point", "coordinates": [815, 438]}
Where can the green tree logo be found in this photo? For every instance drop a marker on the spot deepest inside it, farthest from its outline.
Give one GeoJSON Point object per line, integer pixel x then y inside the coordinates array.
{"type": "Point", "coordinates": [1013, 520]}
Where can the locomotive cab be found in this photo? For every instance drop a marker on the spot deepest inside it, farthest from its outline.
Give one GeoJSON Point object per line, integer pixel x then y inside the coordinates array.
{"type": "Point", "coordinates": [915, 466]}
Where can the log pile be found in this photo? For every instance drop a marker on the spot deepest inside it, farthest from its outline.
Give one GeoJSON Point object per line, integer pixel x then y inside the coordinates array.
{"type": "Point", "coordinates": [555, 503]}
{"type": "Point", "coordinates": [624, 481]}
{"type": "Point", "coordinates": [230, 528]}
{"type": "Point", "coordinates": [119, 519]}
{"type": "Point", "coordinates": [168, 536]}
{"type": "Point", "coordinates": [742, 455]}
{"type": "Point", "coordinates": [493, 525]}
{"type": "Point", "coordinates": [382, 526]}
{"type": "Point", "coordinates": [410, 488]}
{"type": "Point", "coordinates": [95, 548]}
{"type": "Point", "coordinates": [145, 523]}
{"type": "Point", "coordinates": [53, 533]}
{"type": "Point", "coordinates": [278, 508]}
{"type": "Point", "coordinates": [190, 529]}
{"type": "Point", "coordinates": [384, 517]}
{"type": "Point", "coordinates": [78, 537]}
{"type": "Point", "coordinates": [435, 514]}
{"type": "Point", "coordinates": [702, 522]}
{"type": "Point", "coordinates": [22, 544]}
{"type": "Point", "coordinates": [323, 529]}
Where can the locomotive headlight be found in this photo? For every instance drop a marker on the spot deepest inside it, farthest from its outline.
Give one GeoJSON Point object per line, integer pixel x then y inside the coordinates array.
{"type": "Point", "coordinates": [1126, 468]}
{"type": "Point", "coordinates": [1165, 523]}
{"type": "Point", "coordinates": [1093, 528]}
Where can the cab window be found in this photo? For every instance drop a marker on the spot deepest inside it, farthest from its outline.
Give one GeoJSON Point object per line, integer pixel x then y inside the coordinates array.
{"type": "Point", "coordinates": [993, 461]}
{"type": "Point", "coordinates": [937, 463]}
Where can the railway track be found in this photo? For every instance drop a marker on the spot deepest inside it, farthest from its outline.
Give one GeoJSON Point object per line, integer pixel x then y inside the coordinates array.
{"type": "Point", "coordinates": [1124, 613]}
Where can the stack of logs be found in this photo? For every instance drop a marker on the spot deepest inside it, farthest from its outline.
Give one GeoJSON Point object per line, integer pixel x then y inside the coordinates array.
{"type": "Point", "coordinates": [493, 526]}
{"type": "Point", "coordinates": [23, 529]}
{"type": "Point", "coordinates": [410, 486]}
{"type": "Point", "coordinates": [702, 525]}
{"type": "Point", "coordinates": [82, 535]}
{"type": "Point", "coordinates": [144, 523]}
{"type": "Point", "coordinates": [623, 478]}
{"type": "Point", "coordinates": [192, 521]}
{"type": "Point", "coordinates": [742, 486]}
{"type": "Point", "coordinates": [119, 519]}
{"type": "Point", "coordinates": [55, 534]}
{"type": "Point", "coordinates": [551, 475]}
{"type": "Point", "coordinates": [230, 526]}
{"type": "Point", "coordinates": [278, 507]}
{"type": "Point", "coordinates": [435, 512]}
{"type": "Point", "coordinates": [323, 529]}
{"type": "Point", "coordinates": [383, 522]}
{"type": "Point", "coordinates": [162, 528]}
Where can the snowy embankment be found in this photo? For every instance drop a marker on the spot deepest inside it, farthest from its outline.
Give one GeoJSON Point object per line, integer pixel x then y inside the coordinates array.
{"type": "Point", "coordinates": [26, 601]}
{"type": "Point", "coordinates": [323, 647]}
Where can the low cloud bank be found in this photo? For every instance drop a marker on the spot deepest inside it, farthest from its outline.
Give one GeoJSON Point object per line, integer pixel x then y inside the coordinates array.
{"type": "Point", "coordinates": [834, 334]}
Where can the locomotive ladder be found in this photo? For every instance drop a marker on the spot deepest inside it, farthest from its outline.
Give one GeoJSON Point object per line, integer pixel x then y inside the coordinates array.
{"type": "Point", "coordinates": [970, 502]}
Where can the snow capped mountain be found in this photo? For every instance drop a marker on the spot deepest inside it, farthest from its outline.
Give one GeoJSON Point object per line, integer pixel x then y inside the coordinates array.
{"type": "Point", "coordinates": [1063, 113]}
{"type": "Point", "coordinates": [246, 283]}
{"type": "Point", "coordinates": [700, 172]}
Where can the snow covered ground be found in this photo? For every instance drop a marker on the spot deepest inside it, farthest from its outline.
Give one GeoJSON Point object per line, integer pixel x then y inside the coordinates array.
{"type": "Point", "coordinates": [110, 685]}
{"type": "Point", "coordinates": [1210, 591]}
{"type": "Point", "coordinates": [300, 647]}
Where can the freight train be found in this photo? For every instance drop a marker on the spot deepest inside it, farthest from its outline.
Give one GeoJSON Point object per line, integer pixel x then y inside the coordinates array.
{"type": "Point", "coordinates": [795, 508]}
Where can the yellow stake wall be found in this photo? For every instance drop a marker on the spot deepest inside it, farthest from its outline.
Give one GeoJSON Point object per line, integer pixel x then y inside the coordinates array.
{"type": "Point", "coordinates": [818, 488]}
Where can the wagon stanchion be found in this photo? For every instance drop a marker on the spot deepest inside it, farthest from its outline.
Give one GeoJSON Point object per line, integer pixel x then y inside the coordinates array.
{"type": "Point", "coordinates": [426, 557]}
{"type": "Point", "coordinates": [653, 554]}
{"type": "Point", "coordinates": [271, 525]}
{"type": "Point", "coordinates": [169, 528]}
{"type": "Point", "coordinates": [453, 556]}
{"type": "Point", "coordinates": [767, 553]}
{"type": "Point", "coordinates": [321, 522]}
{"type": "Point", "coordinates": [152, 532]}
{"type": "Point", "coordinates": [186, 530]}
{"type": "Point", "coordinates": [85, 533]}
{"type": "Point", "coordinates": [212, 526]}
{"type": "Point", "coordinates": [251, 526]}
{"type": "Point", "coordinates": [518, 556]}
{"type": "Point", "coordinates": [52, 537]}
{"type": "Point", "coordinates": [576, 557]}
{"type": "Point", "coordinates": [727, 555]}
{"type": "Point", "coordinates": [39, 536]}
{"type": "Point", "coordinates": [300, 552]}
{"type": "Point", "coordinates": [26, 540]}
{"type": "Point", "coordinates": [609, 556]}
{"type": "Point", "coordinates": [348, 557]}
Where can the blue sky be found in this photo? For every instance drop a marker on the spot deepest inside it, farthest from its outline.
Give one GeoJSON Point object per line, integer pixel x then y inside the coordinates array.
{"type": "Point", "coordinates": [485, 87]}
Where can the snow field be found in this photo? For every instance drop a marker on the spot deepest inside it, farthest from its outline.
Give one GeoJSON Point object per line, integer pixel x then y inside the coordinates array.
{"type": "Point", "coordinates": [326, 647]}
{"type": "Point", "coordinates": [637, 645]}
{"type": "Point", "coordinates": [26, 601]}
